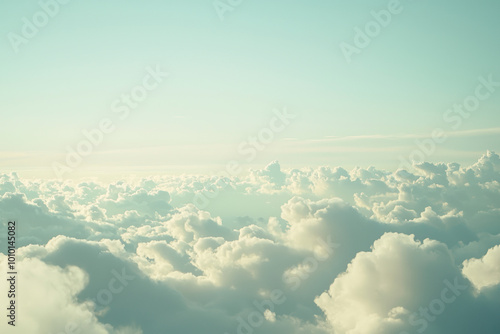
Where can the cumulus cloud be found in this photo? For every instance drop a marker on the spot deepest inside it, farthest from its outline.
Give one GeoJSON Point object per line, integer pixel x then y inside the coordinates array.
{"type": "Point", "coordinates": [359, 251]}
{"type": "Point", "coordinates": [484, 272]}
{"type": "Point", "coordinates": [48, 300]}
{"type": "Point", "coordinates": [382, 288]}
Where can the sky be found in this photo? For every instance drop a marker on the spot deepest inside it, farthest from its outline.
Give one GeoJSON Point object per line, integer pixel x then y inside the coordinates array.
{"type": "Point", "coordinates": [249, 167]}
{"type": "Point", "coordinates": [229, 68]}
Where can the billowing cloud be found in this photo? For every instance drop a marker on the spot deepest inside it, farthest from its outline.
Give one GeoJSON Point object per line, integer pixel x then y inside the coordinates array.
{"type": "Point", "coordinates": [382, 290]}
{"type": "Point", "coordinates": [484, 272]}
{"type": "Point", "coordinates": [314, 250]}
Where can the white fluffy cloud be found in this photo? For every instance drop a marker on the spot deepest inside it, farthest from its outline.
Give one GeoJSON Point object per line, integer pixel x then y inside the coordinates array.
{"type": "Point", "coordinates": [353, 252]}
{"type": "Point", "coordinates": [382, 288]}
{"type": "Point", "coordinates": [47, 303]}
{"type": "Point", "coordinates": [484, 272]}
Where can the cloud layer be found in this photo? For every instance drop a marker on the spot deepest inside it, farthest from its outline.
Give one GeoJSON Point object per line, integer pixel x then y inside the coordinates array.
{"type": "Point", "coordinates": [317, 250]}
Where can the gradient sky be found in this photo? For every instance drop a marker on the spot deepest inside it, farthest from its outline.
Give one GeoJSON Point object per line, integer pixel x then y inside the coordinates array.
{"type": "Point", "coordinates": [226, 77]}
{"type": "Point", "coordinates": [368, 250]}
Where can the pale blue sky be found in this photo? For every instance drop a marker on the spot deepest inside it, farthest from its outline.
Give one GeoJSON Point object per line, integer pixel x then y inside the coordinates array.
{"type": "Point", "coordinates": [227, 76]}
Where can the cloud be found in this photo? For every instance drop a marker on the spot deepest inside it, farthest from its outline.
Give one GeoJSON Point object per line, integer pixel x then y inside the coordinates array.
{"type": "Point", "coordinates": [382, 288]}
{"type": "Point", "coordinates": [47, 303]}
{"type": "Point", "coordinates": [352, 251]}
{"type": "Point", "coordinates": [484, 272]}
